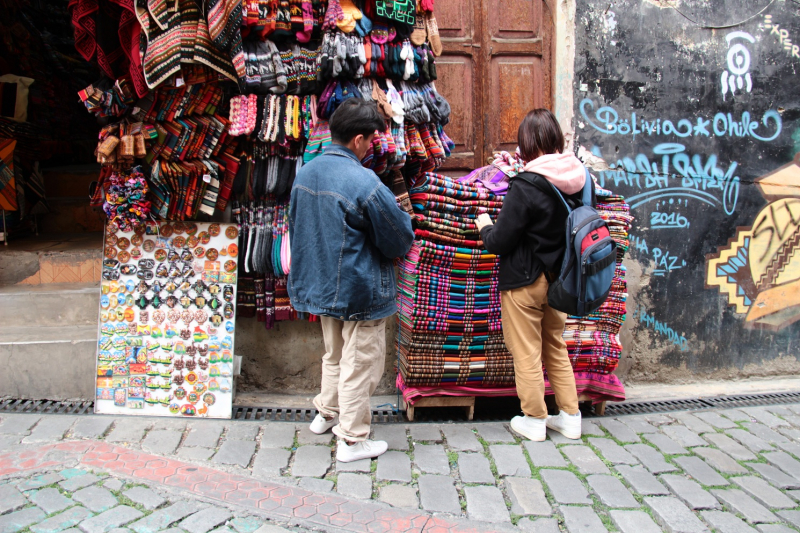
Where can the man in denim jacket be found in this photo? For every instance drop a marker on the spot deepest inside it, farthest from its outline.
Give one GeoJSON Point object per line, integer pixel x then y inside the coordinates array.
{"type": "Point", "coordinates": [345, 229]}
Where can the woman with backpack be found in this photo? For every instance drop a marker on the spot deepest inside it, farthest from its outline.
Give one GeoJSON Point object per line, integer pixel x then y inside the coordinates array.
{"type": "Point", "coordinates": [529, 237]}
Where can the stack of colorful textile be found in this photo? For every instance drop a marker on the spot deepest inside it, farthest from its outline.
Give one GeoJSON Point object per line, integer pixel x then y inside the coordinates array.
{"type": "Point", "coordinates": [450, 340]}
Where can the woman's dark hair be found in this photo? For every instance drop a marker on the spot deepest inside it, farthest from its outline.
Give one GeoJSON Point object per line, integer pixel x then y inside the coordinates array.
{"type": "Point", "coordinates": [539, 134]}
{"type": "Point", "coordinates": [355, 117]}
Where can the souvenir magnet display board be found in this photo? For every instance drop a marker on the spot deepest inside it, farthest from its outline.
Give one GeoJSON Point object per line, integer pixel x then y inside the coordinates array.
{"type": "Point", "coordinates": [167, 320]}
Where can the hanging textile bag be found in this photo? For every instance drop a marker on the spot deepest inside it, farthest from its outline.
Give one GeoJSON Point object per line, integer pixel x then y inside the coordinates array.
{"type": "Point", "coordinates": [589, 260]}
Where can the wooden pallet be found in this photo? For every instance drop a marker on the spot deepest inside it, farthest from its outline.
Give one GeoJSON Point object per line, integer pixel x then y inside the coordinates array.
{"type": "Point", "coordinates": [468, 403]}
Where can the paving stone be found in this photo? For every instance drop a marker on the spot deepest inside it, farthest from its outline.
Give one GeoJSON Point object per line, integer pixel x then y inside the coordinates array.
{"type": "Point", "coordinates": [793, 517]}
{"type": "Point", "coordinates": [638, 424]}
{"type": "Point", "coordinates": [311, 461]}
{"type": "Point", "coordinates": [160, 519]}
{"type": "Point", "coordinates": [722, 462]}
{"type": "Point", "coordinates": [78, 482]}
{"type": "Point", "coordinates": [790, 447]}
{"type": "Point", "coordinates": [541, 525]}
{"type": "Point", "coordinates": [558, 438]}
{"type": "Point", "coordinates": [36, 483]}
{"type": "Point", "coordinates": [113, 484]}
{"type": "Point", "coordinates": [162, 441]}
{"type": "Point", "coordinates": [486, 504]}
{"type": "Point", "coordinates": [792, 433]}
{"type": "Point", "coordinates": [394, 466]}
{"type": "Point", "coordinates": [642, 481]}
{"type": "Point", "coordinates": [226, 529]}
{"type": "Point", "coordinates": [765, 417]}
{"type": "Point", "coordinates": [683, 435]}
{"type": "Point", "coordinates": [613, 452]}
{"type": "Point", "coordinates": [565, 486]}
{"type": "Point", "coordinates": [399, 496]}
{"type": "Point", "coordinates": [692, 422]}
{"type": "Point", "coordinates": [51, 500]}
{"type": "Point", "coordinates": [510, 460]}
{"type": "Point", "coordinates": [206, 435]}
{"type": "Point", "coordinates": [461, 438]}
{"type": "Point", "coordinates": [116, 517]}
{"type": "Point", "coordinates": [432, 459]}
{"type": "Point", "coordinates": [690, 492]}
{"type": "Point", "coordinates": [765, 433]}
{"type": "Point", "coordinates": [584, 459]}
{"type": "Point", "coordinates": [278, 435]}
{"type": "Point", "coordinates": [666, 445]}
{"type": "Point", "coordinates": [785, 462]}
{"type": "Point", "coordinates": [527, 497]}
{"type": "Point", "coordinates": [205, 520]}
{"type": "Point", "coordinates": [494, 433]}
{"type": "Point", "coordinates": [96, 499]}
{"type": "Point", "coordinates": [127, 430]}
{"type": "Point", "coordinates": [354, 485]}
{"type": "Point", "coordinates": [715, 420]}
{"type": "Point", "coordinates": [69, 473]}
{"type": "Point", "coordinates": [544, 454]}
{"type": "Point", "coordinates": [774, 528]}
{"type": "Point", "coordinates": [236, 452]}
{"type": "Point", "coordinates": [590, 428]}
{"type": "Point", "coordinates": [726, 522]}
{"type": "Point", "coordinates": [438, 493]}
{"type": "Point", "coordinates": [17, 520]}
{"type": "Point", "coordinates": [775, 476]}
{"type": "Point", "coordinates": [242, 431]}
{"type": "Point", "coordinates": [269, 528]}
{"type": "Point", "coordinates": [634, 522]}
{"type": "Point", "coordinates": [394, 435]}
{"type": "Point", "coordinates": [12, 499]}
{"type": "Point", "coordinates": [729, 446]}
{"type": "Point", "coordinates": [316, 485]}
{"type": "Point", "coordinates": [474, 468]}
{"type": "Point", "coordinates": [780, 411]}
{"type": "Point", "coordinates": [147, 498]}
{"type": "Point", "coordinates": [270, 461]}
{"type": "Point", "coordinates": [245, 524]}
{"type": "Point", "coordinates": [195, 454]}
{"type": "Point", "coordinates": [750, 441]}
{"type": "Point", "coordinates": [736, 415]}
{"type": "Point", "coordinates": [764, 493]}
{"type": "Point", "coordinates": [582, 520]}
{"type": "Point", "coordinates": [701, 472]}
{"type": "Point", "coordinates": [50, 429]}
{"type": "Point", "coordinates": [305, 436]}
{"type": "Point", "coordinates": [650, 458]}
{"type": "Point", "coordinates": [18, 424]}
{"type": "Point", "coordinates": [611, 491]}
{"type": "Point", "coordinates": [794, 494]}
{"type": "Point", "coordinates": [67, 519]}
{"type": "Point", "coordinates": [659, 419]}
{"type": "Point", "coordinates": [674, 516]}
{"type": "Point", "coordinates": [425, 433]}
{"type": "Point", "coordinates": [362, 465]}
{"type": "Point", "coordinates": [743, 504]}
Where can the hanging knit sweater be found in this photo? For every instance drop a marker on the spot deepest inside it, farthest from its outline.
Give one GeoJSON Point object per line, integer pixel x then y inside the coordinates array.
{"type": "Point", "coordinates": [224, 25]}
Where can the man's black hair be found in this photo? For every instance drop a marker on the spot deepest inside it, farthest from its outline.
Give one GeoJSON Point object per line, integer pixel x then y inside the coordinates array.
{"type": "Point", "coordinates": [355, 117]}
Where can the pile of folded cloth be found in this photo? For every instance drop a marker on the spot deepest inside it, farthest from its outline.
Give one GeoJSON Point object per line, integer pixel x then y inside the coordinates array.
{"type": "Point", "coordinates": [450, 339]}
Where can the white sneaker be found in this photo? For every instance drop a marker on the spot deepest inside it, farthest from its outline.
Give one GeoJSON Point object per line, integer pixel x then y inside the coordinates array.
{"type": "Point", "coordinates": [366, 449]}
{"type": "Point", "coordinates": [529, 427]}
{"type": "Point", "coordinates": [319, 425]}
{"type": "Point", "coordinates": [567, 425]}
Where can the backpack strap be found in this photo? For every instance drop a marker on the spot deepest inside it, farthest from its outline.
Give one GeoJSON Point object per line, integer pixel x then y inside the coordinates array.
{"type": "Point", "coordinates": [587, 189]}
{"type": "Point", "coordinates": [530, 177]}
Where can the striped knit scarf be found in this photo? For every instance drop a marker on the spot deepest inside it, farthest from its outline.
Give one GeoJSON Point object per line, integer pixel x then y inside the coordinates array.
{"type": "Point", "coordinates": [224, 25]}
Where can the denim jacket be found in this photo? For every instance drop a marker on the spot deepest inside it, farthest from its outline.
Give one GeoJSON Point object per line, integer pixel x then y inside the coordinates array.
{"type": "Point", "coordinates": [345, 228]}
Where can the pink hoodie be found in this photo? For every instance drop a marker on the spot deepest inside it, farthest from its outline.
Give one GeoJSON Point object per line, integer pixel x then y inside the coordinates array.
{"type": "Point", "coordinates": [565, 171]}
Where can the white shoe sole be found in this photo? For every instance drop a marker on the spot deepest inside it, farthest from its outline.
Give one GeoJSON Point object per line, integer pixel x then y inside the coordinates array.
{"type": "Point", "coordinates": [327, 429]}
{"type": "Point", "coordinates": [527, 435]}
{"type": "Point", "coordinates": [567, 434]}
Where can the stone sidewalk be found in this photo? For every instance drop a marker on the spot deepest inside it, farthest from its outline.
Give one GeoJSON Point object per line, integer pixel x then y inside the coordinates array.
{"type": "Point", "coordinates": [715, 470]}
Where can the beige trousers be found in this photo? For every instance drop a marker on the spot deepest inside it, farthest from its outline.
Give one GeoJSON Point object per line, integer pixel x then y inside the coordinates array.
{"type": "Point", "coordinates": [532, 332]}
{"type": "Point", "coordinates": [351, 369]}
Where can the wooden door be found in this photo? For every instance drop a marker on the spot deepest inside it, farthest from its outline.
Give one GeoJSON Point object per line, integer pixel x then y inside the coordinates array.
{"type": "Point", "coordinates": [496, 66]}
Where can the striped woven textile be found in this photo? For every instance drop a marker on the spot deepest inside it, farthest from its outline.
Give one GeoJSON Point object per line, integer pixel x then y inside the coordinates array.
{"type": "Point", "coordinates": [450, 339]}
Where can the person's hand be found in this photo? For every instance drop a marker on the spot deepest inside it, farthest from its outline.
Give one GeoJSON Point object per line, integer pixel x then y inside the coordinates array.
{"type": "Point", "coordinates": [482, 221]}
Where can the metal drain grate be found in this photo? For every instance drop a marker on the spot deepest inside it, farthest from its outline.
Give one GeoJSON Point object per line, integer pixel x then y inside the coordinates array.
{"type": "Point", "coordinates": [737, 400]}
{"type": "Point", "coordinates": [293, 414]}
{"type": "Point", "coordinates": [50, 407]}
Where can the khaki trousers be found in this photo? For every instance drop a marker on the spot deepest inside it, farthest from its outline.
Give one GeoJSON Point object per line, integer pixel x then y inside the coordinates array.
{"type": "Point", "coordinates": [352, 366]}
{"type": "Point", "coordinates": [532, 332]}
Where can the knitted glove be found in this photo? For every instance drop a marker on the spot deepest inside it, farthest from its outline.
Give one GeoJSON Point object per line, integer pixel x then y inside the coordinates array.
{"type": "Point", "coordinates": [333, 15]}
{"type": "Point", "coordinates": [351, 14]}
{"type": "Point", "coordinates": [407, 55]}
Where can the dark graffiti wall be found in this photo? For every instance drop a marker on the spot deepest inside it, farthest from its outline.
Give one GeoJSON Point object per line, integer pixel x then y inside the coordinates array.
{"type": "Point", "coordinates": [699, 128]}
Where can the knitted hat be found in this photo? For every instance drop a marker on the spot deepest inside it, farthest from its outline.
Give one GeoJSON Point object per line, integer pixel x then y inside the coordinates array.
{"type": "Point", "coordinates": [382, 33]}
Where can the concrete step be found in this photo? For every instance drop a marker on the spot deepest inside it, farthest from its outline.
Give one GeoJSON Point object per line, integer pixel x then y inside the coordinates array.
{"type": "Point", "coordinates": [48, 363]}
{"type": "Point", "coordinates": [73, 258]}
{"type": "Point", "coordinates": [50, 305]}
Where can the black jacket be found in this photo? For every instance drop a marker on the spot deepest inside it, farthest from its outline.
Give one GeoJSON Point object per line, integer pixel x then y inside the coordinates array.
{"type": "Point", "coordinates": [529, 232]}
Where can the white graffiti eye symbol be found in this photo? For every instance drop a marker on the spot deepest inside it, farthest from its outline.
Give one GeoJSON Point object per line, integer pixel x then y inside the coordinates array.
{"type": "Point", "coordinates": [737, 76]}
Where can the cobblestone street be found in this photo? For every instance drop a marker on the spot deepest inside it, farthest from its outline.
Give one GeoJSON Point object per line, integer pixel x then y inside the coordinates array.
{"type": "Point", "coordinates": [728, 471]}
